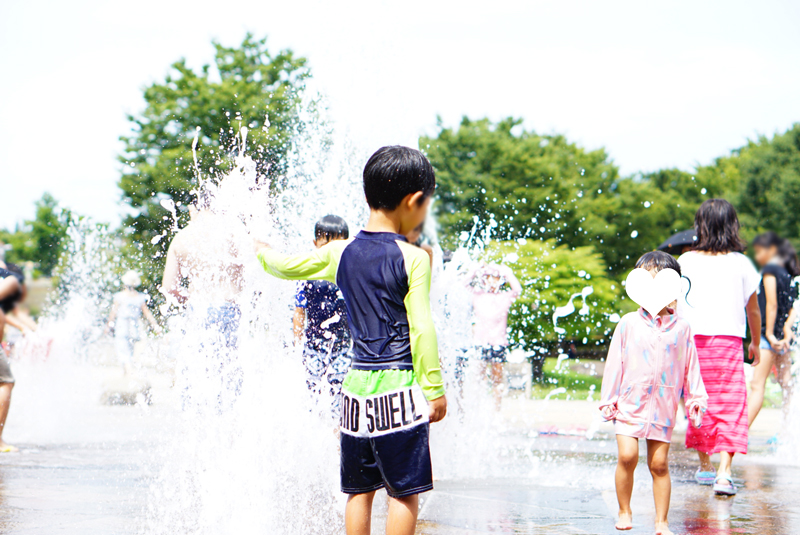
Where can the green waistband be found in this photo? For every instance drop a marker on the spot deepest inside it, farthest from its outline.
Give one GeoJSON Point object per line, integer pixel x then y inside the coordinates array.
{"type": "Point", "coordinates": [370, 382]}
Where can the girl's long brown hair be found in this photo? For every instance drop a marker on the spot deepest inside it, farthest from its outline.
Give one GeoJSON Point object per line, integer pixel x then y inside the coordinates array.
{"type": "Point", "coordinates": [717, 228]}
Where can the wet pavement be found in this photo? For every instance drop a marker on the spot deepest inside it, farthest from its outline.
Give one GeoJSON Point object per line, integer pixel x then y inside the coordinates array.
{"type": "Point", "coordinates": [90, 475]}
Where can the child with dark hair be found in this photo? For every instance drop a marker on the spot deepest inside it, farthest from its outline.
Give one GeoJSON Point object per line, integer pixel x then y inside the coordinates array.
{"type": "Point", "coordinates": [385, 282]}
{"type": "Point", "coordinates": [722, 301]}
{"type": "Point", "coordinates": [320, 322]}
{"type": "Point", "coordinates": [776, 295]}
{"type": "Point", "coordinates": [651, 360]}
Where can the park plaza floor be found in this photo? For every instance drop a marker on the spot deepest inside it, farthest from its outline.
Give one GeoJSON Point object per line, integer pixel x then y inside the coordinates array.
{"type": "Point", "coordinates": [89, 474]}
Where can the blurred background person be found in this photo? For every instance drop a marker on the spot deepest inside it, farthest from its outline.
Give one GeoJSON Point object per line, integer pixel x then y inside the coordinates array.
{"type": "Point", "coordinates": [494, 289]}
{"type": "Point", "coordinates": [776, 295]}
{"type": "Point", "coordinates": [11, 293]}
{"type": "Point", "coordinates": [126, 313]}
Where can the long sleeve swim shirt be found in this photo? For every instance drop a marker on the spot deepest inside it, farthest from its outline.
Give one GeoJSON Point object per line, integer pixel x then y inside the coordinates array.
{"type": "Point", "coordinates": [385, 282]}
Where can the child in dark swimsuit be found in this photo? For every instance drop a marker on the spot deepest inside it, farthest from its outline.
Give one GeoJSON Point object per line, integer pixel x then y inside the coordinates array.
{"type": "Point", "coordinates": [320, 322]}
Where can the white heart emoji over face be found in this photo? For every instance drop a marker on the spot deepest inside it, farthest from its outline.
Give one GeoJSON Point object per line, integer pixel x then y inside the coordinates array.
{"type": "Point", "coordinates": [653, 293]}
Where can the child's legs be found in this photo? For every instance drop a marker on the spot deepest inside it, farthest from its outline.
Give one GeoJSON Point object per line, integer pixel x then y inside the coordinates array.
{"type": "Point", "coordinates": [314, 362]}
{"type": "Point", "coordinates": [705, 462]}
{"type": "Point", "coordinates": [627, 459]}
{"type": "Point", "coordinates": [760, 374]}
{"type": "Point", "coordinates": [725, 461]}
{"type": "Point", "coordinates": [497, 383]}
{"type": "Point", "coordinates": [358, 513]}
{"type": "Point", "coordinates": [402, 519]}
{"type": "Point", "coordinates": [497, 374]}
{"type": "Point", "coordinates": [783, 373]}
{"type": "Point", "coordinates": [5, 403]}
{"type": "Point", "coordinates": [658, 462]}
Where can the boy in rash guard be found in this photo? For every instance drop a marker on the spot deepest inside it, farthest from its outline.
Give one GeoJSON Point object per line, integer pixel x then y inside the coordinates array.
{"type": "Point", "coordinates": [385, 282]}
{"type": "Point", "coordinates": [320, 322]}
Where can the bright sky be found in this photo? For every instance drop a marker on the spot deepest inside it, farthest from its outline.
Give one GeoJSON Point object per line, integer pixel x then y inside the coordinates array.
{"type": "Point", "coordinates": [657, 83]}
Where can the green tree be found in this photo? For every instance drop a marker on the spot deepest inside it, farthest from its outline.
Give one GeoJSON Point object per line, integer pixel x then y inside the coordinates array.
{"type": "Point", "coordinates": [524, 185]}
{"type": "Point", "coordinates": [550, 275]}
{"type": "Point", "coordinates": [248, 86]}
{"type": "Point", "coordinates": [642, 211]}
{"type": "Point", "coordinates": [768, 190]}
{"type": "Point", "coordinates": [41, 240]}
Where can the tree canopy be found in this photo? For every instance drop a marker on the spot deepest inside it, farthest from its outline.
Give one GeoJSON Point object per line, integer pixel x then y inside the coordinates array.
{"type": "Point", "coordinates": [40, 240]}
{"type": "Point", "coordinates": [551, 275]}
{"type": "Point", "coordinates": [527, 185]}
{"type": "Point", "coordinates": [766, 178]}
{"type": "Point", "coordinates": [247, 86]}
{"type": "Point", "coordinates": [566, 210]}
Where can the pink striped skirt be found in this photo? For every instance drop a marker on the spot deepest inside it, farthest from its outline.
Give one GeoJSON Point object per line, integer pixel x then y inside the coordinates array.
{"type": "Point", "coordinates": [725, 422]}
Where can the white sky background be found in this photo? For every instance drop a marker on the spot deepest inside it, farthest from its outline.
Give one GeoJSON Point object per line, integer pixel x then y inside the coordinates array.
{"type": "Point", "coordinates": [658, 84]}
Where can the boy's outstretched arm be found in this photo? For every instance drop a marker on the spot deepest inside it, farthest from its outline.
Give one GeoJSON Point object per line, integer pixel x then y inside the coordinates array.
{"type": "Point", "coordinates": [424, 346]}
{"type": "Point", "coordinates": [319, 264]}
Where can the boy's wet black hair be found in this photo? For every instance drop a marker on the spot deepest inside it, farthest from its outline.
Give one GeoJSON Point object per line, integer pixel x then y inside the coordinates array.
{"type": "Point", "coordinates": [394, 172]}
{"type": "Point", "coordinates": [661, 261]}
{"type": "Point", "coordinates": [331, 227]}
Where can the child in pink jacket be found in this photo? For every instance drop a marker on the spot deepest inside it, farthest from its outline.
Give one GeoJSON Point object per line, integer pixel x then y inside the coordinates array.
{"type": "Point", "coordinates": [650, 362]}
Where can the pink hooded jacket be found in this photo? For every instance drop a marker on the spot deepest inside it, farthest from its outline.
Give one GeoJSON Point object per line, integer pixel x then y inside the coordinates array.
{"type": "Point", "coordinates": [650, 362]}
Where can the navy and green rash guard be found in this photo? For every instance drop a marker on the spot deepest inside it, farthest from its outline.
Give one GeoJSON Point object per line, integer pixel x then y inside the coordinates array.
{"type": "Point", "coordinates": [385, 282]}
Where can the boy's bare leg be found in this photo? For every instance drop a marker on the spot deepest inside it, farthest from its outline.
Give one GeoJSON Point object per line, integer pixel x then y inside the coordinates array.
{"type": "Point", "coordinates": [358, 514]}
{"type": "Point", "coordinates": [627, 459]}
{"type": "Point", "coordinates": [403, 513]}
{"type": "Point", "coordinates": [658, 462]}
{"type": "Point", "coordinates": [5, 401]}
{"type": "Point", "coordinates": [497, 383]}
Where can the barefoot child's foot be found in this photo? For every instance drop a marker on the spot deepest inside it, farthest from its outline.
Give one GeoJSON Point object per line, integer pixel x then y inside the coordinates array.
{"type": "Point", "coordinates": [625, 522]}
{"type": "Point", "coordinates": [7, 448]}
{"type": "Point", "coordinates": [662, 528]}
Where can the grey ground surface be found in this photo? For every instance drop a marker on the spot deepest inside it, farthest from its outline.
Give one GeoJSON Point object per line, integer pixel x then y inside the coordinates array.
{"type": "Point", "coordinates": [88, 475]}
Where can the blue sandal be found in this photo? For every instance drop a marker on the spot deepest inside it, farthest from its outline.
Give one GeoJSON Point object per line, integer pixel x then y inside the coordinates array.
{"type": "Point", "coordinates": [724, 489]}
{"type": "Point", "coordinates": [705, 478]}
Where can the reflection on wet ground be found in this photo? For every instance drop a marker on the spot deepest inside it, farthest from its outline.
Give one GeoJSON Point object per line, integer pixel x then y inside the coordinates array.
{"type": "Point", "coordinates": [577, 502]}
{"type": "Point", "coordinates": [96, 481]}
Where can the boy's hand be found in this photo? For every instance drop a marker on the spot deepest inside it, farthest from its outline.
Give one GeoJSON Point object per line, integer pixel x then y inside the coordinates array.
{"type": "Point", "coordinates": [438, 408]}
{"type": "Point", "coordinates": [259, 245]}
